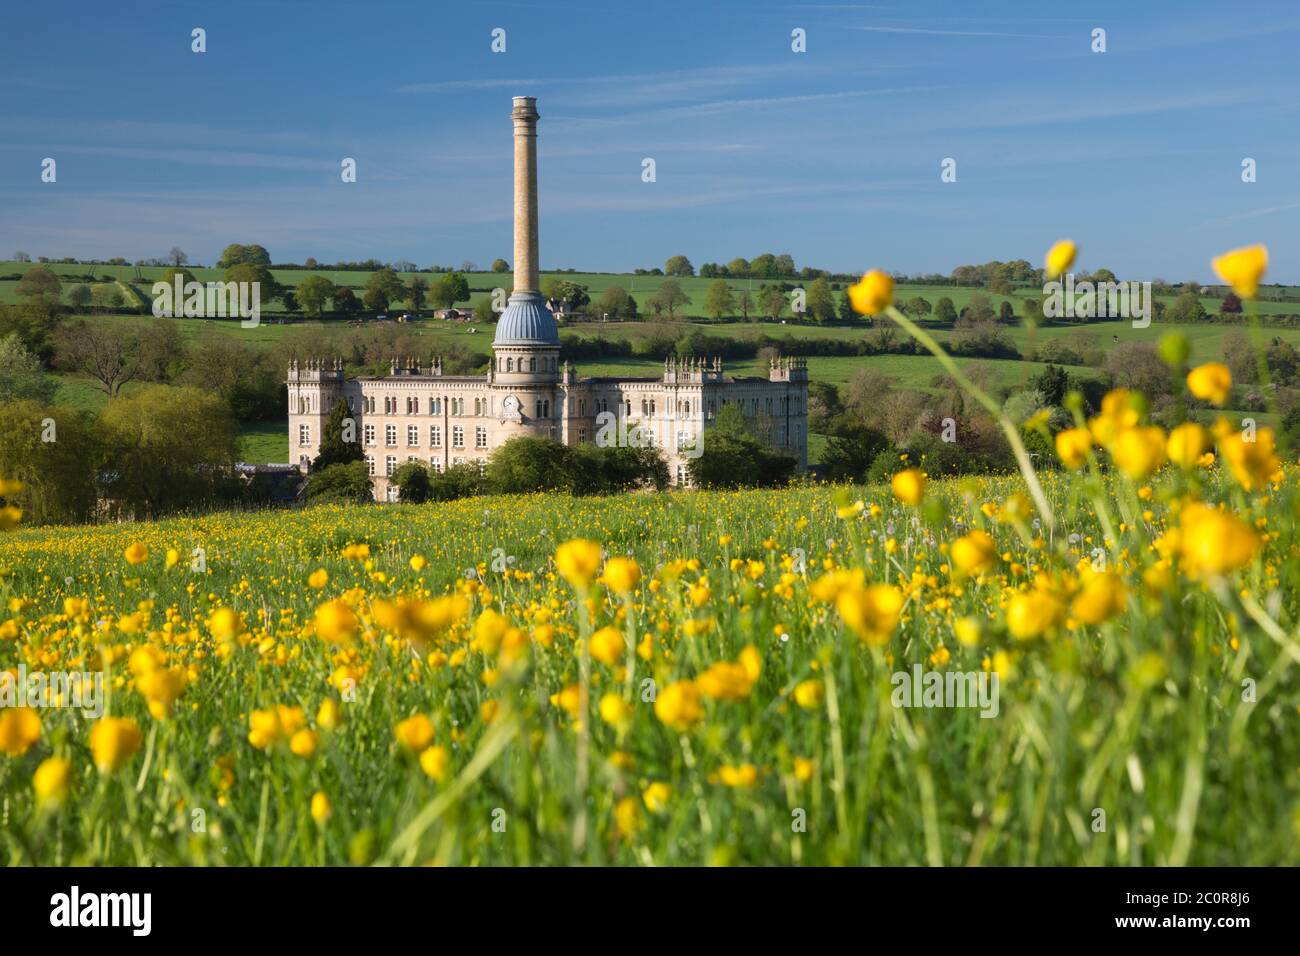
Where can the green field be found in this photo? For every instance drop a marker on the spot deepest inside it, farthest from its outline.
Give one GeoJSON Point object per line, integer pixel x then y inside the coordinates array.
{"type": "Point", "coordinates": [141, 278]}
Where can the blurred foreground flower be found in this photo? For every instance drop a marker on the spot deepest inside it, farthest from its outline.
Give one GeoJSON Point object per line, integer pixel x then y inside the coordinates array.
{"type": "Point", "coordinates": [1242, 269]}
{"type": "Point", "coordinates": [578, 561]}
{"type": "Point", "coordinates": [113, 741]}
{"type": "Point", "coordinates": [1059, 258]}
{"type": "Point", "coordinates": [1214, 542]}
{"type": "Point", "coordinates": [1211, 383]}
{"type": "Point", "coordinates": [909, 486]}
{"type": "Point", "coordinates": [871, 612]}
{"type": "Point", "coordinates": [873, 293]}
{"type": "Point", "coordinates": [52, 781]}
{"type": "Point", "coordinates": [20, 727]}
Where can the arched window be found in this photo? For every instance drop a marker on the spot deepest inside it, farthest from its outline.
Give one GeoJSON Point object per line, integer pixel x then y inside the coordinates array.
{"type": "Point", "coordinates": [510, 365]}
{"type": "Point", "coordinates": [532, 365]}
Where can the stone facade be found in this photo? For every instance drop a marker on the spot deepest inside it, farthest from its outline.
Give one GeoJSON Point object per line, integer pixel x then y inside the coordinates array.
{"type": "Point", "coordinates": [415, 413]}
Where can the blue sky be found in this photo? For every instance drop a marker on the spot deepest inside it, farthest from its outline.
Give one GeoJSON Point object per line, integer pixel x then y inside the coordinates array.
{"type": "Point", "coordinates": [832, 155]}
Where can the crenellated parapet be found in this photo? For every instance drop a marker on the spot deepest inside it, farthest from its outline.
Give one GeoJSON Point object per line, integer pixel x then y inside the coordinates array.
{"type": "Point", "coordinates": [692, 371]}
{"type": "Point", "coordinates": [787, 370]}
{"type": "Point", "coordinates": [316, 370]}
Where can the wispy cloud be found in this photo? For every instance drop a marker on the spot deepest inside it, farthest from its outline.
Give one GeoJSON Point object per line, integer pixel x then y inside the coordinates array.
{"type": "Point", "coordinates": [193, 157]}
{"type": "Point", "coordinates": [1254, 213]}
{"type": "Point", "coordinates": [1005, 112]}
{"type": "Point", "coordinates": [661, 84]}
{"type": "Point", "coordinates": [445, 86]}
{"type": "Point", "coordinates": [719, 107]}
{"type": "Point", "coordinates": [963, 33]}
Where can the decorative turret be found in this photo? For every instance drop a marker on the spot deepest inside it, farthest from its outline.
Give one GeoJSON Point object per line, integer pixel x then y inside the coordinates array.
{"type": "Point", "coordinates": [787, 370]}
{"type": "Point", "coordinates": [404, 367]}
{"type": "Point", "coordinates": [316, 370]}
{"type": "Point", "coordinates": [692, 371]}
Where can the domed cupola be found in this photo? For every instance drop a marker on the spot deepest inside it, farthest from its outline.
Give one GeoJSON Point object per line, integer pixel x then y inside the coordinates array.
{"type": "Point", "coordinates": [527, 321]}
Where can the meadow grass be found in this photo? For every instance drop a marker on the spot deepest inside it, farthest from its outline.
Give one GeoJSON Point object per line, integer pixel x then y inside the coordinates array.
{"type": "Point", "coordinates": [1127, 741]}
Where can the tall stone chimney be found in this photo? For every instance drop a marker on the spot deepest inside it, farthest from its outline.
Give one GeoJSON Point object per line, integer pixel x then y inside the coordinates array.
{"type": "Point", "coordinates": [525, 118]}
{"type": "Point", "coordinates": [526, 326]}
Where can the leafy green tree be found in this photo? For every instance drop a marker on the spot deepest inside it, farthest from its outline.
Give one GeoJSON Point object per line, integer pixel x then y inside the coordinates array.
{"type": "Point", "coordinates": [668, 298]}
{"type": "Point", "coordinates": [679, 266]}
{"type": "Point", "coordinates": [341, 484]}
{"type": "Point", "coordinates": [169, 276]}
{"type": "Point", "coordinates": [339, 441]}
{"type": "Point", "coordinates": [107, 296]}
{"type": "Point", "coordinates": [250, 272]}
{"type": "Point", "coordinates": [35, 323]}
{"type": "Point", "coordinates": [917, 307]}
{"type": "Point", "coordinates": [569, 294]}
{"type": "Point", "coordinates": [236, 254]}
{"type": "Point", "coordinates": [51, 451]}
{"type": "Point", "coordinates": [1283, 362]}
{"type": "Point", "coordinates": [851, 451]}
{"type": "Point", "coordinates": [718, 300]}
{"type": "Point", "coordinates": [458, 481]}
{"type": "Point", "coordinates": [944, 312]}
{"type": "Point", "coordinates": [772, 301]}
{"type": "Point", "coordinates": [1051, 383]}
{"type": "Point", "coordinates": [731, 457]}
{"type": "Point", "coordinates": [1291, 430]}
{"type": "Point", "coordinates": [821, 301]}
{"type": "Point", "coordinates": [745, 303]}
{"type": "Point", "coordinates": [738, 268]}
{"type": "Point", "coordinates": [1187, 308]}
{"type": "Point", "coordinates": [482, 308]}
{"type": "Point", "coordinates": [21, 374]}
{"type": "Point", "coordinates": [382, 289]}
{"type": "Point", "coordinates": [500, 265]}
{"type": "Point", "coordinates": [824, 405]}
{"type": "Point", "coordinates": [37, 282]}
{"type": "Point", "coordinates": [79, 296]}
{"type": "Point", "coordinates": [413, 485]}
{"type": "Point", "coordinates": [846, 310]}
{"type": "Point", "coordinates": [313, 292]}
{"type": "Point", "coordinates": [166, 449]}
{"type": "Point", "coordinates": [979, 309]}
{"type": "Point", "coordinates": [345, 300]}
{"type": "Point", "coordinates": [450, 289]}
{"type": "Point", "coordinates": [609, 469]}
{"type": "Point", "coordinates": [1033, 310]}
{"type": "Point", "coordinates": [116, 352]}
{"type": "Point", "coordinates": [526, 464]}
{"type": "Point", "coordinates": [417, 291]}
{"type": "Point", "coordinates": [616, 303]}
